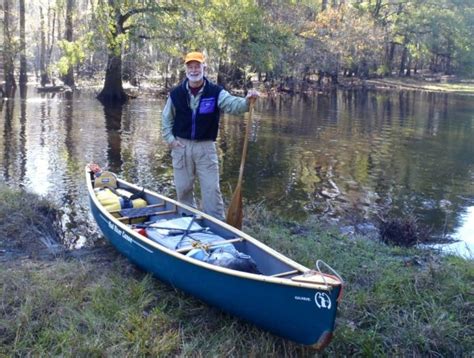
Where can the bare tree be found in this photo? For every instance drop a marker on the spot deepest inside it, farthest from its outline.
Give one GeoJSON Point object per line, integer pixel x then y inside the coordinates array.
{"type": "Point", "coordinates": [8, 50]}
{"type": "Point", "coordinates": [43, 73]}
{"type": "Point", "coordinates": [23, 68]}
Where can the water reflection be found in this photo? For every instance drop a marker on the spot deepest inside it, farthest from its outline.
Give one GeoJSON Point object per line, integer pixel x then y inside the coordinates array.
{"type": "Point", "coordinates": [113, 125]}
{"type": "Point", "coordinates": [9, 138]}
{"type": "Point", "coordinates": [338, 155]}
{"type": "Point", "coordinates": [22, 136]}
{"type": "Point", "coordinates": [465, 236]}
{"type": "Point", "coordinates": [23, 91]}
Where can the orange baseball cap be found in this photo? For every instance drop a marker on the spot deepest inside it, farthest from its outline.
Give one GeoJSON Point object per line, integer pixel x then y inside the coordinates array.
{"type": "Point", "coordinates": [194, 56]}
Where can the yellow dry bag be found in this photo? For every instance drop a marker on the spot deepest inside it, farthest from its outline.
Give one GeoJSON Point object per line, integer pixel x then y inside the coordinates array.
{"type": "Point", "coordinates": [118, 199]}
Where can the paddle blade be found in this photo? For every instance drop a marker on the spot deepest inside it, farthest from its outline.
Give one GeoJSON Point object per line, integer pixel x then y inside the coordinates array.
{"type": "Point", "coordinates": [235, 212]}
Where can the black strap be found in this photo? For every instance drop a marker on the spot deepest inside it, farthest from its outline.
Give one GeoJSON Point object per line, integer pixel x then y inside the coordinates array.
{"type": "Point", "coordinates": [139, 195]}
{"type": "Point", "coordinates": [186, 232]}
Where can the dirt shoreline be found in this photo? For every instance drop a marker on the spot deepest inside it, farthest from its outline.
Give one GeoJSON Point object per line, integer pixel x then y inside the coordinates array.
{"type": "Point", "coordinates": [456, 86]}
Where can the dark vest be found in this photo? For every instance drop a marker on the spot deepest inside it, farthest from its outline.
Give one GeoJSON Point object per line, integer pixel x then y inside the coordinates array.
{"type": "Point", "coordinates": [204, 123]}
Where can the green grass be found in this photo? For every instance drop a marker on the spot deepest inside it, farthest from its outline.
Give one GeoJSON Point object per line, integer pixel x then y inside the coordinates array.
{"type": "Point", "coordinates": [397, 302]}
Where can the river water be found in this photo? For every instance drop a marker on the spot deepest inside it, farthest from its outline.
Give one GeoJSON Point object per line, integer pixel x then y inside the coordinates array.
{"type": "Point", "coordinates": [345, 156]}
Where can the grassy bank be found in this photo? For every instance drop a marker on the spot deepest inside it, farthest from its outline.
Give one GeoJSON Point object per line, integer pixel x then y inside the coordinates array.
{"type": "Point", "coordinates": [93, 302]}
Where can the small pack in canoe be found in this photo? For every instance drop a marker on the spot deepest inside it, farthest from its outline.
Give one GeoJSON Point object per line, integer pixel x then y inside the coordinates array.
{"type": "Point", "coordinates": [218, 263]}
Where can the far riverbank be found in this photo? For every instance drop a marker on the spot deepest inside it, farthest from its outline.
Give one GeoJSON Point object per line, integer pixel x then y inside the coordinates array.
{"type": "Point", "coordinates": [439, 84]}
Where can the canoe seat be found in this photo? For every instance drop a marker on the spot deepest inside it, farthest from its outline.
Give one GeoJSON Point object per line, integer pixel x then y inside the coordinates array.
{"type": "Point", "coordinates": [316, 277]}
{"type": "Point", "coordinates": [286, 273]}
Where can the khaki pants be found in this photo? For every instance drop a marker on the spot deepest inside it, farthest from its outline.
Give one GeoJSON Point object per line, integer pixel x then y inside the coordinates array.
{"type": "Point", "coordinates": [198, 158]}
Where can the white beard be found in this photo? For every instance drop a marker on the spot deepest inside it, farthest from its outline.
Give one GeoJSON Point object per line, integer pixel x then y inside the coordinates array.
{"type": "Point", "coordinates": [195, 78]}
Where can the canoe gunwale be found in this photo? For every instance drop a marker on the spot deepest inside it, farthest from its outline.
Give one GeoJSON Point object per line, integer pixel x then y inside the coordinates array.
{"type": "Point", "coordinates": [257, 277]}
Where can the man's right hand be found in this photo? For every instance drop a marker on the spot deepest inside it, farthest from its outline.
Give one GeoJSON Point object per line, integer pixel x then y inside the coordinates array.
{"type": "Point", "coordinates": [176, 144]}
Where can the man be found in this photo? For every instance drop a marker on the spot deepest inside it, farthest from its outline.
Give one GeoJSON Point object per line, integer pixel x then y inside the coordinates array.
{"type": "Point", "coordinates": [190, 126]}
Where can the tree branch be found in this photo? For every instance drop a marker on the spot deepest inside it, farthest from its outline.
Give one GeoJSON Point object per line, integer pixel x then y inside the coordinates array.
{"type": "Point", "coordinates": [135, 11]}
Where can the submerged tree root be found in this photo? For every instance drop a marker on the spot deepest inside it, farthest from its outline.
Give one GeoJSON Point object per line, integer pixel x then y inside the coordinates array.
{"type": "Point", "coordinates": [406, 231]}
{"type": "Point", "coordinates": [28, 225]}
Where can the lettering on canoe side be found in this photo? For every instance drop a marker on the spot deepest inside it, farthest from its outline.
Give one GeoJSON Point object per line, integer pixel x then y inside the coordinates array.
{"type": "Point", "coordinates": [322, 300]}
{"type": "Point", "coordinates": [126, 237]}
{"type": "Point", "coordinates": [119, 231]}
{"type": "Point", "coordinates": [301, 298]}
{"type": "Point", "coordinates": [123, 234]}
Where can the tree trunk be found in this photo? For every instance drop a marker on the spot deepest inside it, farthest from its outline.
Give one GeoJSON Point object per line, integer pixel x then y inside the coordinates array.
{"type": "Point", "coordinates": [113, 88]}
{"type": "Point", "coordinates": [403, 61]}
{"type": "Point", "coordinates": [44, 78]}
{"type": "Point", "coordinates": [376, 10]}
{"type": "Point", "coordinates": [129, 68]}
{"type": "Point", "coordinates": [23, 68]}
{"type": "Point", "coordinates": [113, 92]}
{"type": "Point", "coordinates": [408, 74]}
{"type": "Point", "coordinates": [221, 77]}
{"type": "Point", "coordinates": [68, 78]}
{"type": "Point", "coordinates": [8, 53]}
{"type": "Point", "coordinates": [51, 25]}
{"type": "Point", "coordinates": [389, 58]}
{"type": "Point", "coordinates": [448, 70]}
{"type": "Point", "coordinates": [324, 5]}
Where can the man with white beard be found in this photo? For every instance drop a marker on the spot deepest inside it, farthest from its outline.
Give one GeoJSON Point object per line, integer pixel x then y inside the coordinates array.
{"type": "Point", "coordinates": [190, 123]}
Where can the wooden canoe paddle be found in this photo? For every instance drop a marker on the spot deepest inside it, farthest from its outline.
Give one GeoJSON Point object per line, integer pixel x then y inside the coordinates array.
{"type": "Point", "coordinates": [235, 212]}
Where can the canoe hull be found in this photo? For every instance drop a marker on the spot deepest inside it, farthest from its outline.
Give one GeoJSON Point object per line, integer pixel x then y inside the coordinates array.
{"type": "Point", "coordinates": [301, 314]}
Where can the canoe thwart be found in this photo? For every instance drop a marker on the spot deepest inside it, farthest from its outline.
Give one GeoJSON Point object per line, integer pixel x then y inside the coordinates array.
{"type": "Point", "coordinates": [162, 212]}
{"type": "Point", "coordinates": [139, 212]}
